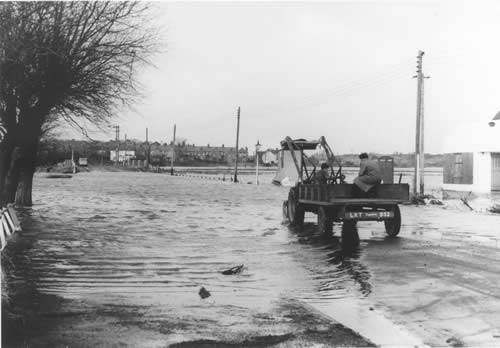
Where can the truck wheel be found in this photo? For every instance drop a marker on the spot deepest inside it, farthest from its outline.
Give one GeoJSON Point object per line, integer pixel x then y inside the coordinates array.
{"type": "Point", "coordinates": [285, 210]}
{"type": "Point", "coordinates": [295, 210]}
{"type": "Point", "coordinates": [325, 222]}
{"type": "Point", "coordinates": [393, 226]}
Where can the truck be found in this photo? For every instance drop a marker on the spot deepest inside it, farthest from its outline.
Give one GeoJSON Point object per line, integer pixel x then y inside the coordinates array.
{"type": "Point", "coordinates": [336, 201]}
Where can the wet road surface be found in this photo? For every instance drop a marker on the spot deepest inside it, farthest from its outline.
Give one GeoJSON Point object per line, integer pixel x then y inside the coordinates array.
{"type": "Point", "coordinates": [118, 259]}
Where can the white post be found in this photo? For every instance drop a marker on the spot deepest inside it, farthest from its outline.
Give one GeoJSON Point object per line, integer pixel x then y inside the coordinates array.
{"type": "Point", "coordinates": [257, 167]}
{"type": "Point", "coordinates": [257, 148]}
{"type": "Point", "coordinates": [173, 154]}
{"type": "Point", "coordinates": [73, 165]}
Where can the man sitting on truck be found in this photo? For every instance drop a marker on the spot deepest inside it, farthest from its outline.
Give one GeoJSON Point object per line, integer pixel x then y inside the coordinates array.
{"type": "Point", "coordinates": [369, 176]}
{"type": "Point", "coordinates": [321, 176]}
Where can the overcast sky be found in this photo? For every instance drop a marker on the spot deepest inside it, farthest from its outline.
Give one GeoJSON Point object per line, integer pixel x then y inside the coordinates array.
{"type": "Point", "coordinates": [339, 69]}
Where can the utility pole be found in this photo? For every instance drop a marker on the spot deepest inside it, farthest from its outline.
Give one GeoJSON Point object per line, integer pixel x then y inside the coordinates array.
{"type": "Point", "coordinates": [237, 146]}
{"type": "Point", "coordinates": [422, 152]}
{"type": "Point", "coordinates": [418, 179]}
{"type": "Point", "coordinates": [148, 150]}
{"type": "Point", "coordinates": [117, 130]}
{"type": "Point", "coordinates": [73, 165]}
{"type": "Point", "coordinates": [173, 155]}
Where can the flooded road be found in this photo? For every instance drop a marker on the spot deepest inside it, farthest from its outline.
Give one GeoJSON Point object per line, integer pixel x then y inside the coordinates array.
{"type": "Point", "coordinates": [119, 259]}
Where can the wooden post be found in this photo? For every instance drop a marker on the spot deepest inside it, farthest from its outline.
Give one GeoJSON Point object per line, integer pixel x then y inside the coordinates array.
{"type": "Point", "coordinates": [257, 148]}
{"type": "Point", "coordinates": [117, 130]}
{"type": "Point", "coordinates": [237, 146]}
{"type": "Point", "coordinates": [257, 168]}
{"type": "Point", "coordinates": [73, 166]}
{"type": "Point", "coordinates": [173, 154]}
{"type": "Point", "coordinates": [418, 128]}
{"type": "Point", "coordinates": [148, 150]}
{"type": "Point", "coordinates": [422, 153]}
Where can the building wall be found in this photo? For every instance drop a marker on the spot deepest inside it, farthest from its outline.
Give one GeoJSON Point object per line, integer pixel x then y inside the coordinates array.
{"type": "Point", "coordinates": [473, 174]}
{"type": "Point", "coordinates": [458, 168]}
{"type": "Point", "coordinates": [482, 172]}
{"type": "Point", "coordinates": [122, 155]}
{"type": "Point", "coordinates": [269, 157]}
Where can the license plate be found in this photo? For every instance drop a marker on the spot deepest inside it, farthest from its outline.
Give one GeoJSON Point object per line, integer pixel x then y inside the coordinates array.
{"type": "Point", "coordinates": [368, 215]}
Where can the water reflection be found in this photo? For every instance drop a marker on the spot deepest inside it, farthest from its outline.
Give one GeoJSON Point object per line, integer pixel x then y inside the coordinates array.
{"type": "Point", "coordinates": [341, 262]}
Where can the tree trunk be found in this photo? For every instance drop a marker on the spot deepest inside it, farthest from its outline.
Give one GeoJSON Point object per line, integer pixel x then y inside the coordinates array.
{"type": "Point", "coordinates": [25, 188]}
{"type": "Point", "coordinates": [5, 158]}
{"type": "Point", "coordinates": [26, 167]}
{"type": "Point", "coordinates": [12, 179]}
{"type": "Point", "coordinates": [8, 117]}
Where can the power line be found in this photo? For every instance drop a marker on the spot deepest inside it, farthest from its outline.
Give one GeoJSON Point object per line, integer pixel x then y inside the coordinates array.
{"type": "Point", "coordinates": [337, 92]}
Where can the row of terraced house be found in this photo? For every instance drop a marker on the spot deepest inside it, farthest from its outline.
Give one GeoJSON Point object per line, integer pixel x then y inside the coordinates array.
{"type": "Point", "coordinates": [161, 154]}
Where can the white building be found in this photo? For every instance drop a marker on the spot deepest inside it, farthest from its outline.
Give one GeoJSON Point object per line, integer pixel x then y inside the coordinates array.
{"type": "Point", "coordinates": [123, 156]}
{"type": "Point", "coordinates": [472, 158]}
{"type": "Point", "coordinates": [269, 157]}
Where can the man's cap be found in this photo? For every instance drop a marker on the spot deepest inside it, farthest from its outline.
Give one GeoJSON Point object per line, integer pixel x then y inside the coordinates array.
{"type": "Point", "coordinates": [324, 165]}
{"type": "Point", "coordinates": [363, 155]}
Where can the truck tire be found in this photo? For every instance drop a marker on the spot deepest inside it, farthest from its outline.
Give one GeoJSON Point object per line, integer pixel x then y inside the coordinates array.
{"type": "Point", "coordinates": [295, 210]}
{"type": "Point", "coordinates": [325, 222]}
{"type": "Point", "coordinates": [285, 210]}
{"type": "Point", "coordinates": [393, 226]}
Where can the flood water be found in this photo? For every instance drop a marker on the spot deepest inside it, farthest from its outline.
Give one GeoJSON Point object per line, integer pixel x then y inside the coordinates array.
{"type": "Point", "coordinates": [147, 243]}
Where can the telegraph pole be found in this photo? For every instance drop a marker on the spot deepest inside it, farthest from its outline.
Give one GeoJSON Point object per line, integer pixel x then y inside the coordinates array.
{"type": "Point", "coordinates": [237, 146]}
{"type": "Point", "coordinates": [173, 155]}
{"type": "Point", "coordinates": [422, 152]}
{"type": "Point", "coordinates": [418, 180]}
{"type": "Point", "coordinates": [117, 130]}
{"type": "Point", "coordinates": [148, 153]}
{"type": "Point", "coordinates": [418, 177]}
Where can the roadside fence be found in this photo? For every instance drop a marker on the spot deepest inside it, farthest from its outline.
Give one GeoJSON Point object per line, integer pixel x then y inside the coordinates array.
{"type": "Point", "coordinates": [213, 177]}
{"type": "Point", "coordinates": [8, 224]}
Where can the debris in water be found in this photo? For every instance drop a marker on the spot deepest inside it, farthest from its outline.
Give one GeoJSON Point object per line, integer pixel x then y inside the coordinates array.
{"type": "Point", "coordinates": [233, 270]}
{"type": "Point", "coordinates": [204, 293]}
{"type": "Point", "coordinates": [58, 176]}
{"type": "Point", "coordinates": [495, 208]}
{"type": "Point", "coordinates": [436, 202]}
{"type": "Point", "coordinates": [454, 342]}
{"type": "Point", "coordinates": [464, 200]}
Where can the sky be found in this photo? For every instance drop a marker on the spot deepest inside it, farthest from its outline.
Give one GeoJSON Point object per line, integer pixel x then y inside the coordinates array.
{"type": "Point", "coordinates": [341, 69]}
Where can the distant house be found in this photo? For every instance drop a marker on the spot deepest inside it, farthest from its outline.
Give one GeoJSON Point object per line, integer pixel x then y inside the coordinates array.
{"type": "Point", "coordinates": [472, 158]}
{"type": "Point", "coordinates": [215, 154]}
{"type": "Point", "coordinates": [269, 157]}
{"type": "Point", "coordinates": [82, 161]}
{"type": "Point", "coordinates": [123, 156]}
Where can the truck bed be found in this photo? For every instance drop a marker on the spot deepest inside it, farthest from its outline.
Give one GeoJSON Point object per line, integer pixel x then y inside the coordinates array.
{"type": "Point", "coordinates": [342, 194]}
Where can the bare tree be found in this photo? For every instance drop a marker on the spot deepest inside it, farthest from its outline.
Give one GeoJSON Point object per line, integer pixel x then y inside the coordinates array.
{"type": "Point", "coordinates": [64, 60]}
